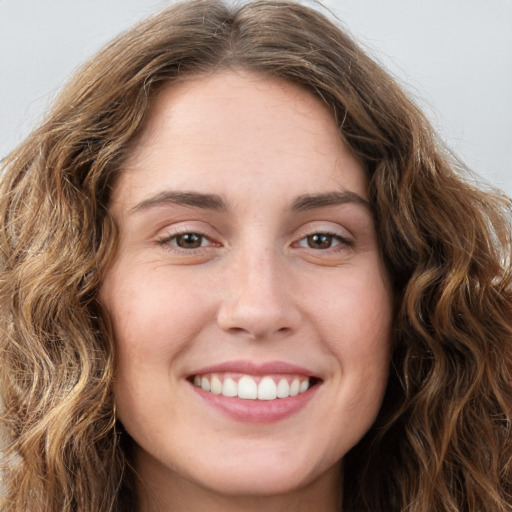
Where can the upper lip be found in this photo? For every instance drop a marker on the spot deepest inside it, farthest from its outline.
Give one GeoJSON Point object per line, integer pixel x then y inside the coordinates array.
{"type": "Point", "coordinates": [252, 368]}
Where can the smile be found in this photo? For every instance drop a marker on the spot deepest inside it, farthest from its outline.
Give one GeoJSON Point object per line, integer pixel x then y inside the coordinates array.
{"type": "Point", "coordinates": [249, 387]}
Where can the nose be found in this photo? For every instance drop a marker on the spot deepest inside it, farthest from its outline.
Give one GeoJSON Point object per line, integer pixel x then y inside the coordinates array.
{"type": "Point", "coordinates": [258, 297]}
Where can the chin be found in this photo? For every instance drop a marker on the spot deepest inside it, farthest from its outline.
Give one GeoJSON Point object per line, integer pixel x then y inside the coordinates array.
{"type": "Point", "coordinates": [264, 477]}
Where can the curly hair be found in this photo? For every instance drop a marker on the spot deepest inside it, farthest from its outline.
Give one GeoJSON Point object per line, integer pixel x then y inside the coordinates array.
{"type": "Point", "coordinates": [442, 441]}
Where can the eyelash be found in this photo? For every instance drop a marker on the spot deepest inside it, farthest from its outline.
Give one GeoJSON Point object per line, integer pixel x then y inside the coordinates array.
{"type": "Point", "coordinates": [342, 241]}
{"type": "Point", "coordinates": [168, 241]}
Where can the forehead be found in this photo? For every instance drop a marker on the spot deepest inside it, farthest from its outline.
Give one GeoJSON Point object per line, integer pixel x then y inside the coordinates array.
{"type": "Point", "coordinates": [243, 131]}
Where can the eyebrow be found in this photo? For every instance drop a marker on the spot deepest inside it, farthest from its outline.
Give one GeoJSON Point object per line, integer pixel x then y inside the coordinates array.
{"type": "Point", "coordinates": [193, 199]}
{"type": "Point", "coordinates": [218, 203]}
{"type": "Point", "coordinates": [312, 201]}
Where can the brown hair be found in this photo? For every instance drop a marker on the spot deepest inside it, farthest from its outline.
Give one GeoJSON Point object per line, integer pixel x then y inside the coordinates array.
{"type": "Point", "coordinates": [442, 441]}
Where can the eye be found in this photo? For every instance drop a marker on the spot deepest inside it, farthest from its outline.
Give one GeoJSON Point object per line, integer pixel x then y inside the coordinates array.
{"type": "Point", "coordinates": [322, 241]}
{"type": "Point", "coordinates": [189, 240]}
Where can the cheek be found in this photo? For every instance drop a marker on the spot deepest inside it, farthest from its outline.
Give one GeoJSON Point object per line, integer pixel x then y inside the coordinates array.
{"type": "Point", "coordinates": [358, 325]}
{"type": "Point", "coordinates": [358, 313]}
{"type": "Point", "coordinates": [153, 313]}
{"type": "Point", "coordinates": [154, 325]}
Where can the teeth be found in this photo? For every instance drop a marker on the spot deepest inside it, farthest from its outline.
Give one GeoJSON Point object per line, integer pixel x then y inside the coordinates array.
{"type": "Point", "coordinates": [303, 386]}
{"type": "Point", "coordinates": [283, 389]}
{"type": "Point", "coordinates": [267, 389]}
{"type": "Point", "coordinates": [216, 385]}
{"type": "Point", "coordinates": [248, 389]}
{"type": "Point", "coordinates": [229, 387]}
{"type": "Point", "coordinates": [294, 387]}
{"type": "Point", "coordinates": [205, 384]}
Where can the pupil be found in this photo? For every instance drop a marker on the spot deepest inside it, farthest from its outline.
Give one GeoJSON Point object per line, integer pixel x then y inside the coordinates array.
{"type": "Point", "coordinates": [320, 241]}
{"type": "Point", "coordinates": [189, 240]}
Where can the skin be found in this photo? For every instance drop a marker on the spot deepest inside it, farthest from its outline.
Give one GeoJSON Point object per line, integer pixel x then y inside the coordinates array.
{"type": "Point", "coordinates": [256, 288]}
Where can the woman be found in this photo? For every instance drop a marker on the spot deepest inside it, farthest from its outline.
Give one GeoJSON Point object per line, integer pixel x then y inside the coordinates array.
{"type": "Point", "coordinates": [240, 273]}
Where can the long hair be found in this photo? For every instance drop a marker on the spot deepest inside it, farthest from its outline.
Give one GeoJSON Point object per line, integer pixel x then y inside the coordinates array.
{"type": "Point", "coordinates": [442, 441]}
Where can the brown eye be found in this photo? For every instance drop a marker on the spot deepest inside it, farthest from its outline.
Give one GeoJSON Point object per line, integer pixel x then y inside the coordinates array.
{"type": "Point", "coordinates": [320, 241]}
{"type": "Point", "coordinates": [189, 240]}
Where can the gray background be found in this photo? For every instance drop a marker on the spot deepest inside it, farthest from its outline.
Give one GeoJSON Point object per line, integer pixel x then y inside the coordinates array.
{"type": "Point", "coordinates": [454, 56]}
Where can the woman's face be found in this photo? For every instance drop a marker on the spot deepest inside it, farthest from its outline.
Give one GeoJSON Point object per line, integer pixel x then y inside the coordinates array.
{"type": "Point", "coordinates": [248, 265]}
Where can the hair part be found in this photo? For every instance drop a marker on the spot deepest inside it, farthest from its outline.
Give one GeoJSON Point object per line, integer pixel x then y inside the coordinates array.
{"type": "Point", "coordinates": [443, 438]}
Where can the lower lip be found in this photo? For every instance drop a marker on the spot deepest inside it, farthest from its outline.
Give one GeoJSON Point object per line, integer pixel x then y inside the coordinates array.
{"type": "Point", "coordinates": [257, 411]}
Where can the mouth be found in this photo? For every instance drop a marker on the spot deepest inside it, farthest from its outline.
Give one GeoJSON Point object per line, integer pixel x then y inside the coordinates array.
{"type": "Point", "coordinates": [251, 392]}
{"type": "Point", "coordinates": [253, 387]}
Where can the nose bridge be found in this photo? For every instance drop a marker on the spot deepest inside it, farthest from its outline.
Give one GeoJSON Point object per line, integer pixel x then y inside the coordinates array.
{"type": "Point", "coordinates": [257, 297]}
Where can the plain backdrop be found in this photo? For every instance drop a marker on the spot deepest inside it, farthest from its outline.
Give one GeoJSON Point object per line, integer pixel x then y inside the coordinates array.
{"type": "Point", "coordinates": [454, 57]}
